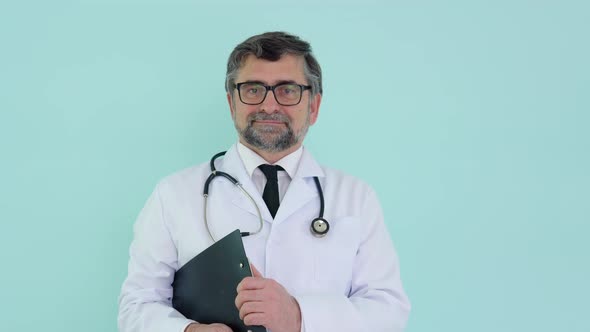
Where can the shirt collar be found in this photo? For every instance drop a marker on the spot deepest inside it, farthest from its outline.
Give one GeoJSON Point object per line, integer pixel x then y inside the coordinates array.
{"type": "Point", "coordinates": [252, 160]}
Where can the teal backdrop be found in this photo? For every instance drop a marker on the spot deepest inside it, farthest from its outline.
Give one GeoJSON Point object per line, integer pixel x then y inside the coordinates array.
{"type": "Point", "coordinates": [470, 119]}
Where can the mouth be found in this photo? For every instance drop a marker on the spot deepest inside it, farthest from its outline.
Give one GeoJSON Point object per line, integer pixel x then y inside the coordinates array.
{"type": "Point", "coordinates": [268, 122]}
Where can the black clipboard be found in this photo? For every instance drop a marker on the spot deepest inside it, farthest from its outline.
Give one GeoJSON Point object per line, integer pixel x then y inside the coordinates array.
{"type": "Point", "coordinates": [204, 289]}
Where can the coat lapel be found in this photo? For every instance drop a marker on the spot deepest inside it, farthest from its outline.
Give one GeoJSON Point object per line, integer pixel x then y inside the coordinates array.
{"type": "Point", "coordinates": [302, 188]}
{"type": "Point", "coordinates": [233, 165]}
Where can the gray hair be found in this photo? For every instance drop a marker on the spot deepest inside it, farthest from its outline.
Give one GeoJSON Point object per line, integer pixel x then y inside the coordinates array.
{"type": "Point", "coordinates": [271, 46]}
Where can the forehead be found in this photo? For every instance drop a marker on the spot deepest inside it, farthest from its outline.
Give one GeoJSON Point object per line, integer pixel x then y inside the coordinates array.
{"type": "Point", "coordinates": [288, 68]}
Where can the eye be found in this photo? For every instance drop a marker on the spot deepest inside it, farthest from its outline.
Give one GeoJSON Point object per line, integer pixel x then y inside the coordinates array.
{"type": "Point", "coordinates": [289, 89]}
{"type": "Point", "coordinates": [252, 89]}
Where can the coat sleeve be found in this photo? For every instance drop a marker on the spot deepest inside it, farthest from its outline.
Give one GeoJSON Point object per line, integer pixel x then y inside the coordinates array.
{"type": "Point", "coordinates": [377, 302]}
{"type": "Point", "coordinates": [145, 303]}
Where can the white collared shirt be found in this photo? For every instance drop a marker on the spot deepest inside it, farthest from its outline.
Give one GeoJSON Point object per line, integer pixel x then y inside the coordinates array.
{"type": "Point", "coordinates": [252, 160]}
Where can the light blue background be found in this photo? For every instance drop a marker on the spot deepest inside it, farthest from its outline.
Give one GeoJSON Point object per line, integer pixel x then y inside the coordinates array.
{"type": "Point", "coordinates": [470, 119]}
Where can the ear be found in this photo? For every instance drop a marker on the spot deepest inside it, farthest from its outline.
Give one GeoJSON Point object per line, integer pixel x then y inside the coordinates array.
{"type": "Point", "coordinates": [231, 104]}
{"type": "Point", "coordinates": [314, 108]}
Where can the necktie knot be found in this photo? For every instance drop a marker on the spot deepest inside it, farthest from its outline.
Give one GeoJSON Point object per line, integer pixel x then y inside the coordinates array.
{"type": "Point", "coordinates": [270, 171]}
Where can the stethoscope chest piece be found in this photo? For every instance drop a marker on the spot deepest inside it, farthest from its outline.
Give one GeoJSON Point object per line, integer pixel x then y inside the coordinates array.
{"type": "Point", "coordinates": [320, 227]}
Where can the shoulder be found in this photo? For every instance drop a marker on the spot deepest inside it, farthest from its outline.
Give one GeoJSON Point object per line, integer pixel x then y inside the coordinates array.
{"type": "Point", "coordinates": [185, 179]}
{"type": "Point", "coordinates": [347, 195]}
{"type": "Point", "coordinates": [342, 180]}
{"type": "Point", "coordinates": [329, 176]}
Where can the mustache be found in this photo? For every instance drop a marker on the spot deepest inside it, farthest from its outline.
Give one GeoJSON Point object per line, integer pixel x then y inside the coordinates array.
{"type": "Point", "coordinates": [263, 116]}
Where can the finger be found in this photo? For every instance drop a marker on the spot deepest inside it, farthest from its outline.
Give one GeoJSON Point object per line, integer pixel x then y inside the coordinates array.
{"type": "Point", "coordinates": [255, 272]}
{"type": "Point", "coordinates": [251, 283]}
{"type": "Point", "coordinates": [255, 318]}
{"type": "Point", "coordinates": [250, 308]}
{"type": "Point", "coordinates": [217, 327]}
{"type": "Point", "coordinates": [247, 295]}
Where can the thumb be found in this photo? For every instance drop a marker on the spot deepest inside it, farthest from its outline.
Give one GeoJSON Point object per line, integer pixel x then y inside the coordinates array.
{"type": "Point", "coordinates": [255, 272]}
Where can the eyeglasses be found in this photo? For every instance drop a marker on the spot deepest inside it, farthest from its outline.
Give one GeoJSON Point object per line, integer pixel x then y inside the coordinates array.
{"type": "Point", "coordinates": [286, 94]}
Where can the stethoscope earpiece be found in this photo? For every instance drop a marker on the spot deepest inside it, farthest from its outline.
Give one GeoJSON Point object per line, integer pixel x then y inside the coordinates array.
{"type": "Point", "coordinates": [320, 227]}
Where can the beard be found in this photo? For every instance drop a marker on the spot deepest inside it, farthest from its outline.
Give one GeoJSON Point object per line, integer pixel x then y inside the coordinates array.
{"type": "Point", "coordinates": [271, 138]}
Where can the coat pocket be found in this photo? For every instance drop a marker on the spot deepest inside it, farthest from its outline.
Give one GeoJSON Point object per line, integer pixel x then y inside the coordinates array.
{"type": "Point", "coordinates": [335, 254]}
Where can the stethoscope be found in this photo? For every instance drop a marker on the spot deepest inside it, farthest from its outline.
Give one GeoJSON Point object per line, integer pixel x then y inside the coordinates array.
{"type": "Point", "coordinates": [319, 226]}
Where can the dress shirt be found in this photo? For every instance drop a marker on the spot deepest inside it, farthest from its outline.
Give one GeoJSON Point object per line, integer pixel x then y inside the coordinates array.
{"type": "Point", "coordinates": [252, 160]}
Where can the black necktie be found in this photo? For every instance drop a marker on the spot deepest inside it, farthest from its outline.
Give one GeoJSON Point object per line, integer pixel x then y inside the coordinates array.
{"type": "Point", "coordinates": [271, 190]}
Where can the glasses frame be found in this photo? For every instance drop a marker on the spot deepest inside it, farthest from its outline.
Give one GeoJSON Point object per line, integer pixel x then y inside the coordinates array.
{"type": "Point", "coordinates": [272, 88]}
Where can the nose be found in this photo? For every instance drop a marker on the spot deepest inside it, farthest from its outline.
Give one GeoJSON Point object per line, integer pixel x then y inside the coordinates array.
{"type": "Point", "coordinates": [270, 104]}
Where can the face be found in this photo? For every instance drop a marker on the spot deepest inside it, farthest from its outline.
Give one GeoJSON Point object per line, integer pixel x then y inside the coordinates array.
{"type": "Point", "coordinates": [271, 128]}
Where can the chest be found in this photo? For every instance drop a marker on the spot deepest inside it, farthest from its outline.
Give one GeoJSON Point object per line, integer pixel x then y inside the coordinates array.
{"type": "Point", "coordinates": [285, 250]}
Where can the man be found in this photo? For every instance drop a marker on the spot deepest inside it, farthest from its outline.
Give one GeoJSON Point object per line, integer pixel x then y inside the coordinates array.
{"type": "Point", "coordinates": [346, 280]}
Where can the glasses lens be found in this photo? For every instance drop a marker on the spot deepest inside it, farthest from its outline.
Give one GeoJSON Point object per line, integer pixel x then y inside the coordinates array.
{"type": "Point", "coordinates": [288, 94]}
{"type": "Point", "coordinates": [252, 93]}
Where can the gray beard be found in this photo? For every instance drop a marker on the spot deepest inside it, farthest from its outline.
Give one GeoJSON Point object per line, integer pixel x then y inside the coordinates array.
{"type": "Point", "coordinates": [271, 139]}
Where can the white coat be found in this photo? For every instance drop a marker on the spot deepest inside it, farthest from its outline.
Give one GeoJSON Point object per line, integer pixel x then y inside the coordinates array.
{"type": "Point", "coordinates": [347, 281]}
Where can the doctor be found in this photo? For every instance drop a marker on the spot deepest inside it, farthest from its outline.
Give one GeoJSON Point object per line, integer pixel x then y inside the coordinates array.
{"type": "Point", "coordinates": [347, 279]}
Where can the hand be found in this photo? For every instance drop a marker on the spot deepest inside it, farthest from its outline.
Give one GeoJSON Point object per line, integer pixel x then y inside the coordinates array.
{"type": "Point", "coordinates": [265, 302]}
{"type": "Point", "coordinates": [196, 327]}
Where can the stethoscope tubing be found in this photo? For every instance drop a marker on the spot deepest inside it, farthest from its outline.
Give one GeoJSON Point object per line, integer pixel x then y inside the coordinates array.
{"type": "Point", "coordinates": [215, 173]}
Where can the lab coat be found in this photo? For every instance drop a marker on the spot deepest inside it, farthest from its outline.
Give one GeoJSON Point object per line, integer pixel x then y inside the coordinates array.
{"type": "Point", "coordinates": [348, 280]}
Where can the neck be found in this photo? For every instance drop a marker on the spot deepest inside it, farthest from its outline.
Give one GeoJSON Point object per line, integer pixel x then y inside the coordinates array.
{"type": "Point", "coordinates": [272, 157]}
